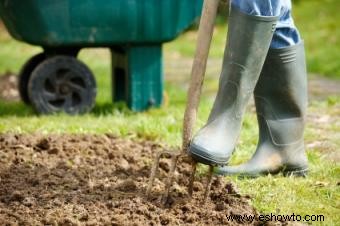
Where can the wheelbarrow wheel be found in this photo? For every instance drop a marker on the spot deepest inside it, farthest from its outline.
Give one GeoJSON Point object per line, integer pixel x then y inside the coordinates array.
{"type": "Point", "coordinates": [25, 74]}
{"type": "Point", "coordinates": [62, 84]}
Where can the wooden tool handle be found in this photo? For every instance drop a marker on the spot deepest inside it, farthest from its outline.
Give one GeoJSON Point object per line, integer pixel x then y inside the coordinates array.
{"type": "Point", "coordinates": [205, 33]}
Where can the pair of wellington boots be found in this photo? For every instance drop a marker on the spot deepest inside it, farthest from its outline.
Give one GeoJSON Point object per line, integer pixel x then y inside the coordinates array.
{"type": "Point", "coordinates": [277, 78]}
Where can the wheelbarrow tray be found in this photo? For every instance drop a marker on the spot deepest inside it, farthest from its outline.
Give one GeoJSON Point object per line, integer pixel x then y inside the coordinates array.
{"type": "Point", "coordinates": [92, 23]}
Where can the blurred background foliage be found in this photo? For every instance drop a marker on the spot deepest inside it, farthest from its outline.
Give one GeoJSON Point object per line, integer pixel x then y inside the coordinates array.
{"type": "Point", "coordinates": [317, 21]}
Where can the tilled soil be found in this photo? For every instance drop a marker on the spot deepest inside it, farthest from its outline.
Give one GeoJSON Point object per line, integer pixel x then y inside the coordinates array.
{"type": "Point", "coordinates": [101, 180]}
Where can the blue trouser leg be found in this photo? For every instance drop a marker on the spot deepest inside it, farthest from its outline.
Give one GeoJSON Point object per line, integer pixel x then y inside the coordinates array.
{"type": "Point", "coordinates": [286, 34]}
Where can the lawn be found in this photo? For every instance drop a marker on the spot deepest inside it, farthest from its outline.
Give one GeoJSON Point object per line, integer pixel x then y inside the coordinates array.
{"type": "Point", "coordinates": [319, 193]}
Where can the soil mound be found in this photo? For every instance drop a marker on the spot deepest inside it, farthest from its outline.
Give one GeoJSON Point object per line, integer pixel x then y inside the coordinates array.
{"type": "Point", "coordinates": [101, 180]}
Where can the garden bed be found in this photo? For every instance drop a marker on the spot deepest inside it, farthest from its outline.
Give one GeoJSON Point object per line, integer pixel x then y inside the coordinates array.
{"type": "Point", "coordinates": [101, 180]}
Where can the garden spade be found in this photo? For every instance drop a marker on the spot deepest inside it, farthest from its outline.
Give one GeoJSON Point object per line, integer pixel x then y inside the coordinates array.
{"type": "Point", "coordinates": [205, 33]}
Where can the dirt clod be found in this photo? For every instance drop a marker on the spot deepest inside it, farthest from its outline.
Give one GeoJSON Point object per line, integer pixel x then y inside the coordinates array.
{"type": "Point", "coordinates": [128, 185]}
{"type": "Point", "coordinates": [17, 196]}
{"type": "Point", "coordinates": [123, 164]}
{"type": "Point", "coordinates": [53, 151]}
{"type": "Point", "coordinates": [101, 180]}
{"type": "Point", "coordinates": [43, 144]}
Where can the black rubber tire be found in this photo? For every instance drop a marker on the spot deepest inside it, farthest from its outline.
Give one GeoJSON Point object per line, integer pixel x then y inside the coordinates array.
{"type": "Point", "coordinates": [62, 84]}
{"type": "Point", "coordinates": [25, 74]}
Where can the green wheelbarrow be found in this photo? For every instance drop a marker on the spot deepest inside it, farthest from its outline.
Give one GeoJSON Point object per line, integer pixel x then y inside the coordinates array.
{"type": "Point", "coordinates": [134, 30]}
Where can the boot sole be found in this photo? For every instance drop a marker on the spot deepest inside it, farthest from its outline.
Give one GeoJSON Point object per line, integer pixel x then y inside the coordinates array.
{"type": "Point", "coordinates": [296, 172]}
{"type": "Point", "coordinates": [201, 157]}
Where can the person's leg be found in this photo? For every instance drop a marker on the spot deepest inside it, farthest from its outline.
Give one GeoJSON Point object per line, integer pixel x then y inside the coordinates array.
{"type": "Point", "coordinates": [249, 38]}
{"type": "Point", "coordinates": [286, 34]}
{"type": "Point", "coordinates": [281, 102]}
{"type": "Point", "coordinates": [258, 7]}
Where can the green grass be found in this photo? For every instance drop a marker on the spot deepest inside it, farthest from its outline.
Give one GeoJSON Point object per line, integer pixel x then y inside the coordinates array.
{"type": "Point", "coordinates": [317, 194]}
{"type": "Point", "coordinates": [318, 23]}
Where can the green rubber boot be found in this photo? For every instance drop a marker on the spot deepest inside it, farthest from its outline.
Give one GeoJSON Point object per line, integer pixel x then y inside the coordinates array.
{"type": "Point", "coordinates": [281, 102]}
{"type": "Point", "coordinates": [248, 42]}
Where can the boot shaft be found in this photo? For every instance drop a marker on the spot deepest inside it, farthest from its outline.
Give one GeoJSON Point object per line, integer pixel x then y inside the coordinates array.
{"type": "Point", "coordinates": [281, 96]}
{"type": "Point", "coordinates": [281, 91]}
{"type": "Point", "coordinates": [248, 42]}
{"type": "Point", "coordinates": [247, 45]}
